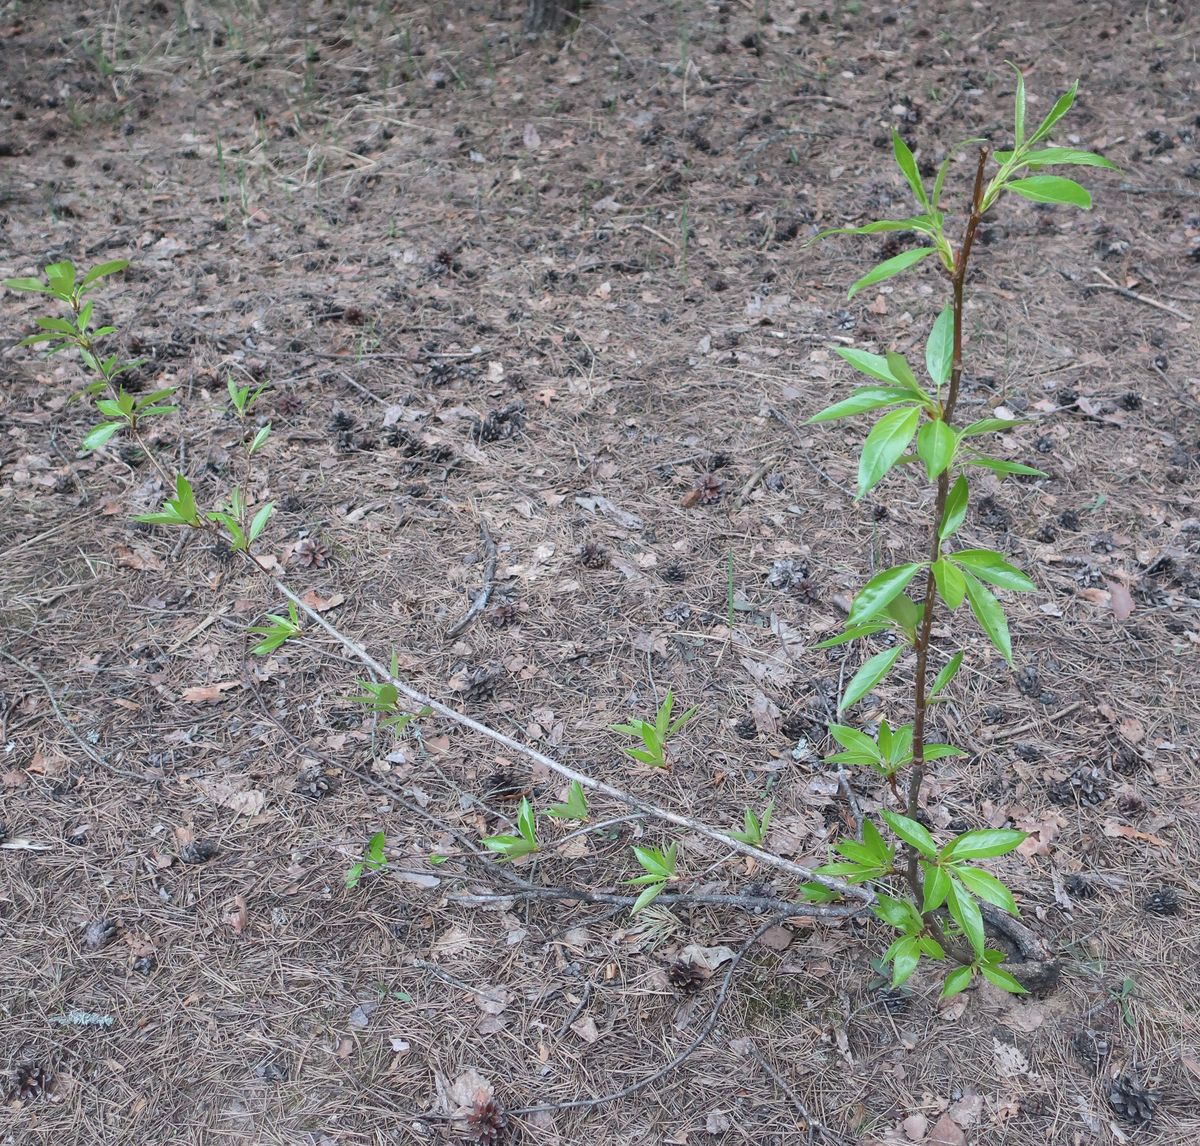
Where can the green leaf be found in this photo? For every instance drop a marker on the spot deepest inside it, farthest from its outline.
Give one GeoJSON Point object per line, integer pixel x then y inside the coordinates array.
{"type": "Point", "coordinates": [951, 585]}
{"type": "Point", "coordinates": [1052, 156]}
{"type": "Point", "coordinates": [886, 442]}
{"type": "Point", "coordinates": [898, 913]}
{"type": "Point", "coordinates": [576, 806]}
{"type": "Point", "coordinates": [922, 223]}
{"type": "Point", "coordinates": [868, 398]}
{"type": "Point", "coordinates": [525, 821]}
{"type": "Point", "coordinates": [905, 959]}
{"type": "Point", "coordinates": [647, 897]}
{"type": "Point", "coordinates": [61, 277]}
{"type": "Point", "coordinates": [817, 893]}
{"type": "Point", "coordinates": [957, 981]}
{"type": "Point", "coordinates": [260, 438]}
{"type": "Point", "coordinates": [990, 426]}
{"type": "Point", "coordinates": [873, 365]}
{"type": "Point", "coordinates": [658, 864]}
{"type": "Point", "coordinates": [853, 633]}
{"type": "Point", "coordinates": [890, 267]}
{"type": "Point", "coordinates": [965, 911]}
{"type": "Point", "coordinates": [1056, 113]}
{"type": "Point", "coordinates": [1000, 466]}
{"type": "Point", "coordinates": [98, 435]}
{"type": "Point", "coordinates": [57, 325]}
{"type": "Point", "coordinates": [911, 833]}
{"type": "Point", "coordinates": [941, 751]}
{"type": "Point", "coordinates": [989, 566]}
{"type": "Point", "coordinates": [876, 845]}
{"type": "Point", "coordinates": [939, 348]}
{"type": "Point", "coordinates": [99, 272]}
{"type": "Point", "coordinates": [260, 520]}
{"type": "Point", "coordinates": [908, 167]}
{"type": "Point", "coordinates": [987, 887]}
{"type": "Point", "coordinates": [903, 374]}
{"type": "Point", "coordinates": [990, 616]}
{"type": "Point", "coordinates": [983, 844]}
{"type": "Point", "coordinates": [936, 444]}
{"type": "Point", "coordinates": [855, 740]}
{"type": "Point", "coordinates": [937, 888]}
{"type": "Point", "coordinates": [1051, 189]}
{"type": "Point", "coordinates": [903, 610]}
{"type": "Point", "coordinates": [1019, 116]}
{"type": "Point", "coordinates": [869, 676]}
{"type": "Point", "coordinates": [1002, 979]}
{"type": "Point", "coordinates": [877, 593]}
{"type": "Point", "coordinates": [28, 285]}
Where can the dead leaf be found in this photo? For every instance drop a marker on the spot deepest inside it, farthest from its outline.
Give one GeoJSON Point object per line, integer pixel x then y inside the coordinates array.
{"type": "Point", "coordinates": [137, 559]}
{"type": "Point", "coordinates": [1120, 600]}
{"type": "Point", "coordinates": [710, 958]}
{"type": "Point", "coordinates": [766, 714]}
{"type": "Point", "coordinates": [1011, 1061]}
{"type": "Point", "coordinates": [237, 917]}
{"type": "Point", "coordinates": [1132, 730]}
{"type": "Point", "coordinates": [776, 938]}
{"type": "Point", "coordinates": [320, 604]}
{"type": "Point", "coordinates": [208, 693]}
{"type": "Point", "coordinates": [915, 1127]}
{"type": "Point", "coordinates": [1114, 829]}
{"type": "Point", "coordinates": [491, 1000]}
{"type": "Point", "coordinates": [585, 1028]}
{"type": "Point", "coordinates": [946, 1132]}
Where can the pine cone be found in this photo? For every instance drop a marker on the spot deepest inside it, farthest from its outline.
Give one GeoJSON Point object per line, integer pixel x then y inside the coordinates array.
{"type": "Point", "coordinates": [29, 1081]}
{"type": "Point", "coordinates": [315, 784]}
{"type": "Point", "coordinates": [1079, 886]}
{"type": "Point", "coordinates": [99, 933]}
{"type": "Point", "coordinates": [787, 574]}
{"type": "Point", "coordinates": [675, 573]}
{"type": "Point", "coordinates": [198, 851]}
{"type": "Point", "coordinates": [1164, 901]}
{"type": "Point", "coordinates": [709, 488]}
{"type": "Point", "coordinates": [504, 614]}
{"type": "Point", "coordinates": [1085, 785]}
{"type": "Point", "coordinates": [746, 728]}
{"type": "Point", "coordinates": [309, 553]}
{"type": "Point", "coordinates": [1092, 1047]}
{"type": "Point", "coordinates": [1131, 1100]}
{"type": "Point", "coordinates": [685, 976]}
{"type": "Point", "coordinates": [487, 1124]}
{"type": "Point", "coordinates": [593, 556]}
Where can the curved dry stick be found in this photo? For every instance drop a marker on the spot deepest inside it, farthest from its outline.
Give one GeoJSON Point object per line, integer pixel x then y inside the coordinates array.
{"type": "Point", "coordinates": [582, 778]}
{"type": "Point", "coordinates": [489, 583]}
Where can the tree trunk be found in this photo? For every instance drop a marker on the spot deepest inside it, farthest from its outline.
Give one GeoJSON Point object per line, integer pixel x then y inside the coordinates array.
{"type": "Point", "coordinates": [550, 15]}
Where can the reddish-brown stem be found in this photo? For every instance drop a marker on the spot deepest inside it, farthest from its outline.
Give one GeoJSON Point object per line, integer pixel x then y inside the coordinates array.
{"type": "Point", "coordinates": [925, 628]}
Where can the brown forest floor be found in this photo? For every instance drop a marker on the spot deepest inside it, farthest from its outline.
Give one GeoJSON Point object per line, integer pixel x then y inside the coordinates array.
{"type": "Point", "coordinates": [406, 218]}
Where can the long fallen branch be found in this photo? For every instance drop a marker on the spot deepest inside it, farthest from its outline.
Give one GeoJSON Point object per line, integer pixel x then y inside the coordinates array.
{"type": "Point", "coordinates": [768, 859]}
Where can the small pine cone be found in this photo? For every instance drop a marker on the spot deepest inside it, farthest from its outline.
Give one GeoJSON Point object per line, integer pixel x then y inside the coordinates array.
{"type": "Point", "coordinates": [315, 784]}
{"type": "Point", "coordinates": [1131, 803]}
{"type": "Point", "coordinates": [1133, 1102]}
{"type": "Point", "coordinates": [718, 461]}
{"type": "Point", "coordinates": [145, 964]}
{"type": "Point", "coordinates": [310, 553]}
{"type": "Point", "coordinates": [675, 573]}
{"type": "Point", "coordinates": [99, 933]}
{"type": "Point", "coordinates": [787, 574]}
{"type": "Point", "coordinates": [341, 421]}
{"type": "Point", "coordinates": [686, 977]}
{"type": "Point", "coordinates": [1079, 886]}
{"type": "Point", "coordinates": [593, 556]}
{"type": "Point", "coordinates": [30, 1080]}
{"type": "Point", "coordinates": [1126, 759]}
{"type": "Point", "coordinates": [746, 728]}
{"type": "Point", "coordinates": [487, 1124]}
{"type": "Point", "coordinates": [893, 1000]}
{"type": "Point", "coordinates": [1046, 533]}
{"type": "Point", "coordinates": [1163, 901]}
{"type": "Point", "coordinates": [1092, 1047]}
{"type": "Point", "coordinates": [710, 488]}
{"type": "Point", "coordinates": [504, 614]}
{"type": "Point", "coordinates": [1085, 785]}
{"type": "Point", "coordinates": [198, 851]}
{"type": "Point", "coordinates": [289, 404]}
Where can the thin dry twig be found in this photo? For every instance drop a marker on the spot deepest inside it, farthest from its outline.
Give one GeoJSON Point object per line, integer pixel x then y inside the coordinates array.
{"type": "Point", "coordinates": [489, 583]}
{"type": "Point", "coordinates": [1136, 296]}
{"type": "Point", "coordinates": [582, 778]}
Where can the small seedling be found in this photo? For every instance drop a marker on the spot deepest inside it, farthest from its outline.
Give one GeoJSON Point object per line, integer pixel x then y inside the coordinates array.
{"type": "Point", "coordinates": [754, 830]}
{"type": "Point", "coordinates": [575, 807]}
{"type": "Point", "coordinates": [659, 867]}
{"type": "Point", "coordinates": [656, 736]}
{"type": "Point", "coordinates": [372, 860]}
{"type": "Point", "coordinates": [385, 699]}
{"type": "Point", "coordinates": [279, 630]}
{"type": "Point", "coordinates": [512, 847]}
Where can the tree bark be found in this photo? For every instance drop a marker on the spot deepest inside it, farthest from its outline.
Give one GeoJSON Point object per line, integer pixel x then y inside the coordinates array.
{"type": "Point", "coordinates": [550, 15]}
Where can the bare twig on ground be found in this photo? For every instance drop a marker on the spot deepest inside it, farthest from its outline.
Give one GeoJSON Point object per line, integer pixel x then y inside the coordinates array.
{"type": "Point", "coordinates": [1136, 296]}
{"type": "Point", "coordinates": [753, 481]}
{"type": "Point", "coordinates": [582, 778]}
{"type": "Point", "coordinates": [816, 1129]}
{"type": "Point", "coordinates": [489, 583]}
